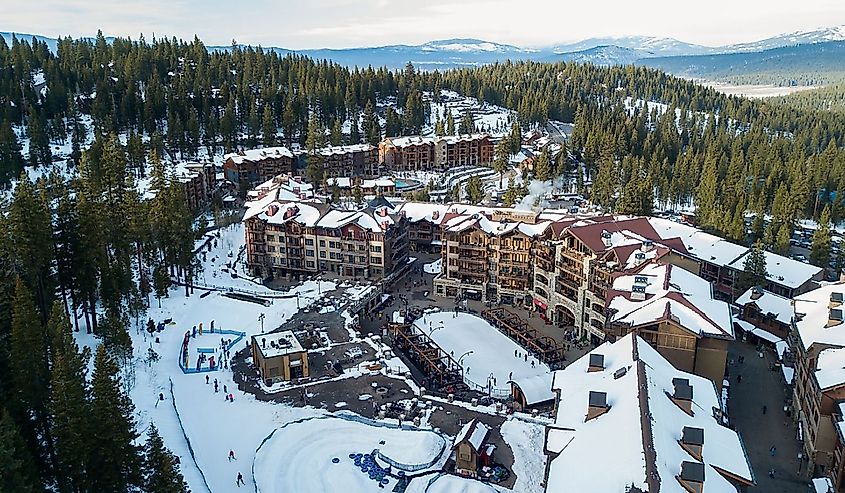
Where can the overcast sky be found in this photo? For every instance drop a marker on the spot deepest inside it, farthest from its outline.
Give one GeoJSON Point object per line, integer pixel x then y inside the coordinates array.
{"type": "Point", "coordinates": [349, 23]}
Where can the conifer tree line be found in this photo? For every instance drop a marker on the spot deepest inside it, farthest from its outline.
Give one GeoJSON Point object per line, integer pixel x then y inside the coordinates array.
{"type": "Point", "coordinates": [752, 158]}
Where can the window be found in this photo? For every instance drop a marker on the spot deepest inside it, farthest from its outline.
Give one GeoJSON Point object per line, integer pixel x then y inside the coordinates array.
{"type": "Point", "coordinates": [271, 238]}
{"type": "Point", "coordinates": [322, 254]}
{"type": "Point", "coordinates": [309, 264]}
{"type": "Point", "coordinates": [309, 241]}
{"type": "Point", "coordinates": [375, 248]}
{"type": "Point", "coordinates": [271, 248]}
{"type": "Point", "coordinates": [309, 253]}
{"type": "Point", "coordinates": [375, 260]}
{"type": "Point", "coordinates": [322, 243]}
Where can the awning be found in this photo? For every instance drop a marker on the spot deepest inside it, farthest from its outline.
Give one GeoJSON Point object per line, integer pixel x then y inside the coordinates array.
{"type": "Point", "coordinates": [540, 304]}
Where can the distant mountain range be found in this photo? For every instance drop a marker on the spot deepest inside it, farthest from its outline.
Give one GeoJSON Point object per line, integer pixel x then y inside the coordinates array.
{"type": "Point", "coordinates": [819, 51]}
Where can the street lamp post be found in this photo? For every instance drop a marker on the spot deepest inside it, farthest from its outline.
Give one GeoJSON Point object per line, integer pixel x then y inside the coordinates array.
{"type": "Point", "coordinates": [261, 319]}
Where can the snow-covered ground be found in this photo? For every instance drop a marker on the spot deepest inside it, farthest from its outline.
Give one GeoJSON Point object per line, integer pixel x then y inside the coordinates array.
{"type": "Point", "coordinates": [300, 456]}
{"type": "Point", "coordinates": [486, 354]}
{"type": "Point", "coordinates": [434, 267]}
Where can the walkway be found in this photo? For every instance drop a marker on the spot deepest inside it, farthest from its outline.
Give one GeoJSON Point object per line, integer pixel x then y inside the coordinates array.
{"type": "Point", "coordinates": [762, 387]}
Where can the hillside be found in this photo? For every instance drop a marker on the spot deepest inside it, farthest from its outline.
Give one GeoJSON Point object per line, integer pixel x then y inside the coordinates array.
{"type": "Point", "coordinates": [810, 64]}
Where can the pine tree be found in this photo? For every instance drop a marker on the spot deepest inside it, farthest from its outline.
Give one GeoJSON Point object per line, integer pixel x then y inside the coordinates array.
{"type": "Point", "coordinates": [117, 462]}
{"type": "Point", "coordinates": [450, 122]}
{"type": "Point", "coordinates": [11, 161]}
{"type": "Point", "coordinates": [16, 471]}
{"type": "Point", "coordinates": [160, 467]}
{"type": "Point", "coordinates": [39, 142]}
{"type": "Point", "coordinates": [820, 251]}
{"type": "Point", "coordinates": [358, 194]}
{"type": "Point", "coordinates": [336, 134]}
{"type": "Point", "coordinates": [753, 269]}
{"type": "Point", "coordinates": [501, 160]}
{"type": "Point", "coordinates": [542, 167]}
{"type": "Point", "coordinates": [69, 409]}
{"type": "Point", "coordinates": [474, 190]}
{"type": "Point", "coordinates": [354, 132]}
{"type": "Point", "coordinates": [467, 125]}
{"type": "Point", "coordinates": [605, 183]}
{"type": "Point", "coordinates": [29, 371]}
{"type": "Point", "coordinates": [268, 126]}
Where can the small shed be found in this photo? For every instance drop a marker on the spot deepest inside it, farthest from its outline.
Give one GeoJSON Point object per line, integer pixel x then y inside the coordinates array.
{"type": "Point", "coordinates": [279, 357]}
{"type": "Point", "coordinates": [471, 448]}
{"type": "Point", "coordinates": [532, 391]}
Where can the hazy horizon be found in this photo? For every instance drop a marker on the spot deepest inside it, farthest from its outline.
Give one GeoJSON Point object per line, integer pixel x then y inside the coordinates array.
{"type": "Point", "coordinates": [338, 24]}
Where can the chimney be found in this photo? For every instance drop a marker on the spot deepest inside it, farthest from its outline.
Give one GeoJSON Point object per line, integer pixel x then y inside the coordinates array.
{"type": "Point", "coordinates": [596, 363]}
{"type": "Point", "coordinates": [648, 245]}
{"type": "Point", "coordinates": [435, 215]}
{"type": "Point", "coordinates": [756, 293]}
{"type": "Point", "coordinates": [272, 210]}
{"type": "Point", "coordinates": [682, 396]}
{"type": "Point", "coordinates": [692, 476]}
{"type": "Point", "coordinates": [597, 405]}
{"type": "Point", "coordinates": [692, 440]}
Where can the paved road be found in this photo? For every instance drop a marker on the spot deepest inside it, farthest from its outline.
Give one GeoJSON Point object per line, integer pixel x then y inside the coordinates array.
{"type": "Point", "coordinates": [762, 387]}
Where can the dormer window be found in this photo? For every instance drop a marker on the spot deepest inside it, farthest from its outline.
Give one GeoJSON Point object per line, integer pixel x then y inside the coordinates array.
{"type": "Point", "coordinates": [596, 363]}
{"type": "Point", "coordinates": [640, 280]}
{"type": "Point", "coordinates": [692, 476]}
{"type": "Point", "coordinates": [597, 405]}
{"type": "Point", "coordinates": [682, 395]}
{"type": "Point", "coordinates": [638, 289]}
{"type": "Point", "coordinates": [692, 440]}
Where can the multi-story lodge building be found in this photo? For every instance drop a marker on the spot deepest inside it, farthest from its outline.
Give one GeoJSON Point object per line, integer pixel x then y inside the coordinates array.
{"type": "Point", "coordinates": [292, 239]}
{"type": "Point", "coordinates": [626, 419]}
{"type": "Point", "coordinates": [818, 343]}
{"type": "Point", "coordinates": [350, 160]}
{"type": "Point", "coordinates": [199, 181]}
{"type": "Point", "coordinates": [435, 153]}
{"type": "Point", "coordinates": [258, 165]}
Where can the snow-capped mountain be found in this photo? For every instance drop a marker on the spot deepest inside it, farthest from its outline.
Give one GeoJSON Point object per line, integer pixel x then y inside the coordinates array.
{"type": "Point", "coordinates": [649, 45]}
{"type": "Point", "coordinates": [471, 46]}
{"type": "Point", "coordinates": [812, 36]}
{"type": "Point", "coordinates": [601, 55]}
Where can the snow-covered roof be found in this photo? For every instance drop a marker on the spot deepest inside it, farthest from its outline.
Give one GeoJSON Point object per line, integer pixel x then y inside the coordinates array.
{"type": "Point", "coordinates": [830, 368]}
{"type": "Point", "coordinates": [454, 139]}
{"type": "Point", "coordinates": [277, 343]}
{"type": "Point", "coordinates": [424, 211]}
{"type": "Point", "coordinates": [612, 452]}
{"type": "Point", "coordinates": [813, 316]}
{"type": "Point", "coordinates": [347, 149]}
{"type": "Point", "coordinates": [474, 432]}
{"type": "Point", "coordinates": [701, 245]}
{"type": "Point", "coordinates": [258, 154]}
{"type": "Point", "coordinates": [670, 292]}
{"type": "Point", "coordinates": [822, 485]}
{"type": "Point", "coordinates": [768, 303]}
{"type": "Point", "coordinates": [411, 140]}
{"type": "Point", "coordinates": [783, 270]}
{"type": "Point", "coordinates": [535, 389]}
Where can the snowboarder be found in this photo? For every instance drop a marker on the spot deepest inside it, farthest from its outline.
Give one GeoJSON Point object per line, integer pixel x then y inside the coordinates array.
{"type": "Point", "coordinates": [232, 455]}
{"type": "Point", "coordinates": [240, 480]}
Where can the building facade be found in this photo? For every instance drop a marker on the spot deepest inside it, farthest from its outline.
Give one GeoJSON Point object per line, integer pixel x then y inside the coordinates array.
{"type": "Point", "coordinates": [297, 238]}
{"type": "Point", "coordinates": [349, 160]}
{"type": "Point", "coordinates": [419, 153]}
{"type": "Point", "coordinates": [258, 165]}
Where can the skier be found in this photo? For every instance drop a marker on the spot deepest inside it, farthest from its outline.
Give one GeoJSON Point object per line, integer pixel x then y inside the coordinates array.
{"type": "Point", "coordinates": [232, 455]}
{"type": "Point", "coordinates": [215, 385]}
{"type": "Point", "coordinates": [206, 379]}
{"type": "Point", "coordinates": [200, 328]}
{"type": "Point", "coordinates": [212, 326]}
{"type": "Point", "coordinates": [240, 480]}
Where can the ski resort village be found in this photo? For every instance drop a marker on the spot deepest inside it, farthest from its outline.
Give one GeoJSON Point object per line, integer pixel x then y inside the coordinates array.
{"type": "Point", "coordinates": [355, 335]}
{"type": "Point", "coordinates": [232, 269]}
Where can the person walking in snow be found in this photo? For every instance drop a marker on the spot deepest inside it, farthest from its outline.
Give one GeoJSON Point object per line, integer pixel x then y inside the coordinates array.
{"type": "Point", "coordinates": [232, 455]}
{"type": "Point", "coordinates": [212, 326]}
{"type": "Point", "coordinates": [215, 385]}
{"type": "Point", "coordinates": [240, 480]}
{"type": "Point", "coordinates": [225, 390]}
{"type": "Point", "coordinates": [194, 331]}
{"type": "Point", "coordinates": [206, 379]}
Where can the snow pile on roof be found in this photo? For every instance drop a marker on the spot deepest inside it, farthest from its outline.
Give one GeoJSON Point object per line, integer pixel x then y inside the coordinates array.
{"type": "Point", "coordinates": [424, 211]}
{"type": "Point", "coordinates": [670, 293]}
{"type": "Point", "coordinates": [830, 368]}
{"type": "Point", "coordinates": [535, 389]}
{"type": "Point", "coordinates": [454, 139]}
{"type": "Point", "coordinates": [255, 155]}
{"type": "Point", "coordinates": [434, 267]}
{"type": "Point", "coordinates": [447, 483]}
{"type": "Point", "coordinates": [813, 316]}
{"type": "Point", "coordinates": [783, 270]}
{"type": "Point", "coordinates": [641, 429]}
{"type": "Point", "coordinates": [474, 432]}
{"type": "Point", "coordinates": [411, 140]}
{"type": "Point", "coordinates": [768, 303]}
{"type": "Point", "coordinates": [822, 485]}
{"type": "Point", "coordinates": [277, 343]}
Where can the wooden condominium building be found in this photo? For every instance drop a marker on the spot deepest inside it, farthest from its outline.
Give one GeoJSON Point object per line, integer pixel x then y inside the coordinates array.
{"type": "Point", "coordinates": [419, 153]}
{"type": "Point", "coordinates": [349, 160]}
{"type": "Point", "coordinates": [818, 341]}
{"type": "Point", "coordinates": [627, 420]}
{"type": "Point", "coordinates": [198, 181]}
{"type": "Point", "coordinates": [279, 357]}
{"type": "Point", "coordinates": [293, 239]}
{"type": "Point", "coordinates": [258, 165]}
